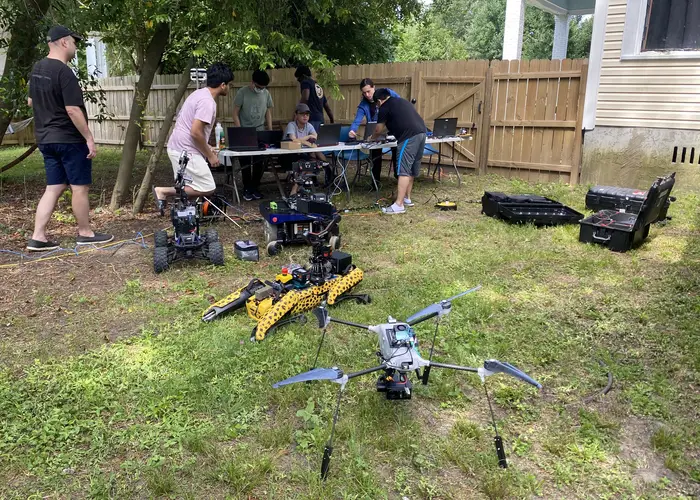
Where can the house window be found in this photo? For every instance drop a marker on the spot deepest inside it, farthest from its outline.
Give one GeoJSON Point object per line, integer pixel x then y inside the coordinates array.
{"type": "Point", "coordinates": [672, 25]}
{"type": "Point", "coordinates": [661, 29]}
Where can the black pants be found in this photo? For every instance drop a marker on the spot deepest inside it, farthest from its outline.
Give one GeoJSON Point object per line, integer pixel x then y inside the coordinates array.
{"type": "Point", "coordinates": [251, 171]}
{"type": "Point", "coordinates": [376, 157]}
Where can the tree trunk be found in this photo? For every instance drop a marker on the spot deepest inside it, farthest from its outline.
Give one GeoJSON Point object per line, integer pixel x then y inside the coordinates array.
{"type": "Point", "coordinates": [162, 136]}
{"type": "Point", "coordinates": [18, 160]}
{"type": "Point", "coordinates": [154, 53]}
{"type": "Point", "coordinates": [21, 55]}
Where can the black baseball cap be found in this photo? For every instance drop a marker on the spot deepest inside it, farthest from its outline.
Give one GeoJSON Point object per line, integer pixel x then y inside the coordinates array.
{"type": "Point", "coordinates": [58, 32]}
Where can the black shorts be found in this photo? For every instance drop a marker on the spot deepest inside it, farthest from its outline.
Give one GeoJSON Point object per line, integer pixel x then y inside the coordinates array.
{"type": "Point", "coordinates": [67, 164]}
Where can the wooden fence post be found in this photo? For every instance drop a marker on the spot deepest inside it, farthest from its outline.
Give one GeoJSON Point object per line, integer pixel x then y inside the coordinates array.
{"type": "Point", "coordinates": [577, 157]}
{"type": "Point", "coordinates": [417, 89]}
{"type": "Point", "coordinates": [485, 124]}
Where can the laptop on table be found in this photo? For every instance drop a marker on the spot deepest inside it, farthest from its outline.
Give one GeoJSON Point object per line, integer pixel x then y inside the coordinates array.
{"type": "Point", "coordinates": [242, 139]}
{"type": "Point", "coordinates": [328, 135]}
{"type": "Point", "coordinates": [445, 127]}
{"type": "Point", "coordinates": [369, 130]}
{"type": "Point", "coordinates": [269, 138]}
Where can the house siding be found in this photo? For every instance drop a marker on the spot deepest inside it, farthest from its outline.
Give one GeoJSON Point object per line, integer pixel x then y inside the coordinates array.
{"type": "Point", "coordinates": [645, 93]}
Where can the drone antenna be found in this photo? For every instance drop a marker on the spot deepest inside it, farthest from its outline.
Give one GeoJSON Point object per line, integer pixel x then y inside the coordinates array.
{"type": "Point", "coordinates": [328, 449]}
{"type": "Point", "coordinates": [498, 441]}
{"type": "Point", "coordinates": [426, 372]}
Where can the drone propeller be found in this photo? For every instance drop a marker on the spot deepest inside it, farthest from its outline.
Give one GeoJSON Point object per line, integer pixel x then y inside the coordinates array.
{"type": "Point", "coordinates": [437, 308]}
{"type": "Point", "coordinates": [495, 366]}
{"type": "Point", "coordinates": [315, 374]}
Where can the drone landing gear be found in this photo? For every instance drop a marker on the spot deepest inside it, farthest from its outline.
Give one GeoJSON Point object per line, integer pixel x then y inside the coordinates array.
{"type": "Point", "coordinates": [298, 318]}
{"type": "Point", "coordinates": [328, 449]}
{"type": "Point", "coordinates": [497, 440]}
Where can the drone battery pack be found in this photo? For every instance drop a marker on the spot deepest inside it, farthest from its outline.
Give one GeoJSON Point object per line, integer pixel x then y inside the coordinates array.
{"type": "Point", "coordinates": [246, 250]}
{"type": "Point", "coordinates": [340, 262]}
{"type": "Point", "coordinates": [307, 206]}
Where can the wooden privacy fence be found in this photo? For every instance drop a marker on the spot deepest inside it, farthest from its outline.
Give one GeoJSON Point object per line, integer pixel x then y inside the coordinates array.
{"type": "Point", "coordinates": [524, 116]}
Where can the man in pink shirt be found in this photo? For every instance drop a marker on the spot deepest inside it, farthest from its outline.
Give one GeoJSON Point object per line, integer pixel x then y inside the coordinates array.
{"type": "Point", "coordinates": [191, 133]}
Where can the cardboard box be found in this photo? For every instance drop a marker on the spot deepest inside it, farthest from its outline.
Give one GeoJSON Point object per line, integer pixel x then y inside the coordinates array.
{"type": "Point", "coordinates": [290, 145]}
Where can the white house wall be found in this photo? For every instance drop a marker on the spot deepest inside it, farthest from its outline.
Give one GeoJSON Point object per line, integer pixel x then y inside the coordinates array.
{"type": "Point", "coordinates": [656, 93]}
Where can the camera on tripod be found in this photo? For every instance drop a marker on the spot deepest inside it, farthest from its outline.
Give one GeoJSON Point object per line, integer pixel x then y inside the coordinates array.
{"type": "Point", "coordinates": [305, 174]}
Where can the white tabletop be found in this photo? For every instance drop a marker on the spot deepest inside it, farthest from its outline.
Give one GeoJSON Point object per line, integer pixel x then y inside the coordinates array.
{"type": "Point", "coordinates": [225, 153]}
{"type": "Point", "coordinates": [228, 153]}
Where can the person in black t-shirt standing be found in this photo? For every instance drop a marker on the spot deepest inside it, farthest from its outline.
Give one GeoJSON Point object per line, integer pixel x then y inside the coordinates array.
{"type": "Point", "coordinates": [312, 95]}
{"type": "Point", "coordinates": [64, 139]}
{"type": "Point", "coordinates": [401, 119]}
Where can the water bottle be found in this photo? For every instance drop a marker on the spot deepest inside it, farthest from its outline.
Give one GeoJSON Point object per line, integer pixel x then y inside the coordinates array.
{"type": "Point", "coordinates": [219, 131]}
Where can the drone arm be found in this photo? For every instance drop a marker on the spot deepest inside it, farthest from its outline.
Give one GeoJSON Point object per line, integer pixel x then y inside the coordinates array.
{"type": "Point", "coordinates": [349, 323]}
{"type": "Point", "coordinates": [454, 367]}
{"type": "Point", "coordinates": [366, 371]}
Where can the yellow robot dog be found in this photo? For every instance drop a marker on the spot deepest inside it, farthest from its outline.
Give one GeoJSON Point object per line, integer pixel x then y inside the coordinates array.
{"type": "Point", "coordinates": [296, 290]}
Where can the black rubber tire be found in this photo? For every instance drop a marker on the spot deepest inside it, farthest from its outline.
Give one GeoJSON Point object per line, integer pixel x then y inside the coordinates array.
{"type": "Point", "coordinates": [160, 239]}
{"type": "Point", "coordinates": [216, 253]}
{"type": "Point", "coordinates": [211, 235]}
{"type": "Point", "coordinates": [273, 248]}
{"type": "Point", "coordinates": [160, 259]}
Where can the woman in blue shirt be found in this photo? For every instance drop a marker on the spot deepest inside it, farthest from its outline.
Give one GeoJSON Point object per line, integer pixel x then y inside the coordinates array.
{"type": "Point", "coordinates": [368, 110]}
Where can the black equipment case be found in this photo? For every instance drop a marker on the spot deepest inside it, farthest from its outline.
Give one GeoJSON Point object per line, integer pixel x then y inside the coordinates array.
{"type": "Point", "coordinates": [528, 208]}
{"type": "Point", "coordinates": [620, 230]}
{"type": "Point", "coordinates": [623, 199]}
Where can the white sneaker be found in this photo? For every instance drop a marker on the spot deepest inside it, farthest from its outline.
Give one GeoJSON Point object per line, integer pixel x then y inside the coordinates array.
{"type": "Point", "coordinates": [407, 202]}
{"type": "Point", "coordinates": [394, 209]}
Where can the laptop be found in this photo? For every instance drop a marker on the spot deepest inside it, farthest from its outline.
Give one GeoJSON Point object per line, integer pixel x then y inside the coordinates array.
{"type": "Point", "coordinates": [269, 138]}
{"type": "Point", "coordinates": [328, 135]}
{"type": "Point", "coordinates": [369, 131]}
{"type": "Point", "coordinates": [242, 139]}
{"type": "Point", "coordinates": [445, 127]}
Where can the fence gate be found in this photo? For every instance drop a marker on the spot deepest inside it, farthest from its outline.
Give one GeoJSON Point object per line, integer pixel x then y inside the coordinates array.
{"type": "Point", "coordinates": [455, 96]}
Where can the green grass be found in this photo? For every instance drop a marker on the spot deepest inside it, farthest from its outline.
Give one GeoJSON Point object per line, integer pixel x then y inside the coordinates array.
{"type": "Point", "coordinates": [185, 409]}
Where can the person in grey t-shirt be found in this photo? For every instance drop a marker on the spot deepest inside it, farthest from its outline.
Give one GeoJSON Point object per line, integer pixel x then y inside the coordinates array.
{"type": "Point", "coordinates": [300, 130]}
{"type": "Point", "coordinates": [253, 108]}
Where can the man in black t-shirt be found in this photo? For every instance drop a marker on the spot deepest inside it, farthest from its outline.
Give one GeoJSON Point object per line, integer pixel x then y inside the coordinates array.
{"type": "Point", "coordinates": [401, 119]}
{"type": "Point", "coordinates": [312, 95]}
{"type": "Point", "coordinates": [64, 139]}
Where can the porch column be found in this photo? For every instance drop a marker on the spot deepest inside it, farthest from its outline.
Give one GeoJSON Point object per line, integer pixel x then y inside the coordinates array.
{"type": "Point", "coordinates": [90, 56]}
{"type": "Point", "coordinates": [561, 36]}
{"type": "Point", "coordinates": [513, 32]}
{"type": "Point", "coordinates": [101, 58]}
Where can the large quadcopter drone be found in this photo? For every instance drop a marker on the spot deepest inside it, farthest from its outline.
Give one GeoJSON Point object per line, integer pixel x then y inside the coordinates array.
{"type": "Point", "coordinates": [399, 355]}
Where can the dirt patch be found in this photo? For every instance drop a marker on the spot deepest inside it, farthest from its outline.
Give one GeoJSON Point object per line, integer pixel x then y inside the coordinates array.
{"type": "Point", "coordinates": [635, 448]}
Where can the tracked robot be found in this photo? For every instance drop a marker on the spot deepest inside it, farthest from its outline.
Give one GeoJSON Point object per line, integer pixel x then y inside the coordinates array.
{"type": "Point", "coordinates": [328, 277]}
